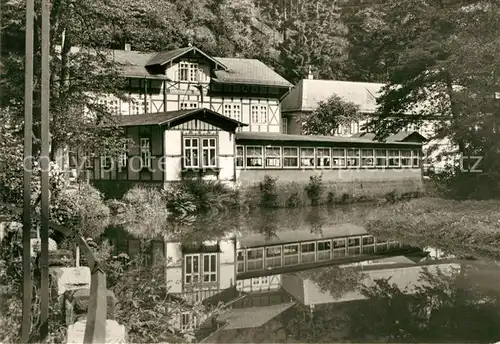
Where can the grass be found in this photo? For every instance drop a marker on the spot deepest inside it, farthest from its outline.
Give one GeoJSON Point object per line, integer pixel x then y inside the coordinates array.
{"type": "Point", "coordinates": [463, 228]}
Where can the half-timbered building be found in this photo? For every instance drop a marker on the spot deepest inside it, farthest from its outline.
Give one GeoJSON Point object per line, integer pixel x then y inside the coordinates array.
{"type": "Point", "coordinates": [189, 114]}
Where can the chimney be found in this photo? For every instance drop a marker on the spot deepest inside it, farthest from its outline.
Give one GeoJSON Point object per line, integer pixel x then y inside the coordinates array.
{"type": "Point", "coordinates": [310, 74]}
{"type": "Point", "coordinates": [128, 47]}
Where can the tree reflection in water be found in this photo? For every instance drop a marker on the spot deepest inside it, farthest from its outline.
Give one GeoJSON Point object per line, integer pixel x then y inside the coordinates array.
{"type": "Point", "coordinates": [461, 307]}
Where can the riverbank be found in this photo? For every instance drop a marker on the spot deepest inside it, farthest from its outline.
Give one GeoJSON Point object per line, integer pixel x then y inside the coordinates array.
{"type": "Point", "coordinates": [464, 228]}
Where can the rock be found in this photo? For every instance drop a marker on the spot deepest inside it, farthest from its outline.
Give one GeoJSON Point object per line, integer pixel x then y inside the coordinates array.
{"type": "Point", "coordinates": [35, 246]}
{"type": "Point", "coordinates": [115, 333]}
{"type": "Point", "coordinates": [70, 278]}
{"type": "Point", "coordinates": [63, 258]}
{"type": "Point", "coordinates": [77, 301]}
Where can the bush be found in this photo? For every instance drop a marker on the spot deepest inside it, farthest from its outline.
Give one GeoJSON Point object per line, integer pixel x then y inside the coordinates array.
{"type": "Point", "coordinates": [268, 192]}
{"type": "Point", "coordinates": [206, 195]}
{"type": "Point", "coordinates": [314, 189]}
{"type": "Point", "coordinates": [293, 201]}
{"type": "Point", "coordinates": [330, 199]}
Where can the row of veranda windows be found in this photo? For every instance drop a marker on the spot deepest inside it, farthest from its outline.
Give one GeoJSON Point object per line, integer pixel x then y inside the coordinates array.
{"type": "Point", "coordinates": [107, 160]}
{"type": "Point", "coordinates": [311, 157]}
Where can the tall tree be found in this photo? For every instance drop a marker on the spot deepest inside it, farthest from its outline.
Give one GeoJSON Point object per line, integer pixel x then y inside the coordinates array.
{"type": "Point", "coordinates": [314, 36]}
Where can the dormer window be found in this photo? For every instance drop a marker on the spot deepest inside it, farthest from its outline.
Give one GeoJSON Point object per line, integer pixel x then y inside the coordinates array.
{"type": "Point", "coordinates": [188, 71]}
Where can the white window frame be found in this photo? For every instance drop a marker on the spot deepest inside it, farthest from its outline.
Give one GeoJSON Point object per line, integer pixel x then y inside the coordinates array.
{"type": "Point", "coordinates": [240, 156]}
{"type": "Point", "coordinates": [407, 158]}
{"type": "Point", "coordinates": [389, 157]}
{"type": "Point", "coordinates": [365, 158]}
{"type": "Point", "coordinates": [250, 156]}
{"type": "Point", "coordinates": [273, 157]}
{"type": "Point", "coordinates": [261, 259]}
{"type": "Point", "coordinates": [227, 110]}
{"type": "Point", "coordinates": [194, 275]}
{"type": "Point", "coordinates": [209, 273]}
{"type": "Point", "coordinates": [254, 114]}
{"type": "Point", "coordinates": [329, 250]}
{"type": "Point", "coordinates": [320, 159]}
{"type": "Point", "coordinates": [123, 158]}
{"type": "Point", "coordinates": [296, 157]}
{"type": "Point", "coordinates": [87, 159]}
{"type": "Point", "coordinates": [106, 162]}
{"type": "Point", "coordinates": [236, 112]}
{"type": "Point", "coordinates": [415, 154]}
{"type": "Point", "coordinates": [378, 155]}
{"type": "Point", "coordinates": [350, 157]}
{"type": "Point", "coordinates": [310, 157]}
{"type": "Point", "coordinates": [190, 323]}
{"type": "Point", "coordinates": [145, 152]}
{"type": "Point", "coordinates": [212, 161]}
{"type": "Point", "coordinates": [263, 114]}
{"type": "Point", "coordinates": [288, 254]}
{"type": "Point", "coordinates": [191, 148]}
{"type": "Point", "coordinates": [342, 158]}
{"type": "Point", "coordinates": [188, 71]}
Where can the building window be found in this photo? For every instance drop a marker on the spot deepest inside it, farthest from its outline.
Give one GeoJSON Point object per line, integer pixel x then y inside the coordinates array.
{"type": "Point", "coordinates": [254, 115]}
{"type": "Point", "coordinates": [393, 155]}
{"type": "Point", "coordinates": [208, 147]}
{"type": "Point", "coordinates": [406, 158]}
{"type": "Point", "coordinates": [290, 157]}
{"type": "Point", "coordinates": [188, 71]}
{"type": "Point", "coordinates": [210, 267]}
{"type": "Point", "coordinates": [87, 159]}
{"type": "Point", "coordinates": [338, 156]}
{"type": "Point", "coordinates": [106, 162]}
{"type": "Point", "coordinates": [307, 157]}
{"type": "Point", "coordinates": [416, 158]}
{"type": "Point", "coordinates": [188, 322]}
{"type": "Point", "coordinates": [123, 159]}
{"type": "Point", "coordinates": [284, 125]}
{"type": "Point", "coordinates": [381, 156]}
{"type": "Point", "coordinates": [227, 110]}
{"type": "Point", "coordinates": [323, 157]}
{"type": "Point", "coordinates": [240, 158]}
{"type": "Point", "coordinates": [353, 157]}
{"type": "Point", "coordinates": [237, 112]}
{"type": "Point", "coordinates": [145, 149]}
{"type": "Point", "coordinates": [273, 156]}
{"type": "Point", "coordinates": [196, 265]}
{"type": "Point", "coordinates": [367, 158]}
{"type": "Point", "coordinates": [191, 269]}
{"type": "Point", "coordinates": [263, 114]}
{"type": "Point", "coordinates": [191, 152]}
{"type": "Point", "coordinates": [254, 156]}
{"type": "Point", "coordinates": [189, 105]}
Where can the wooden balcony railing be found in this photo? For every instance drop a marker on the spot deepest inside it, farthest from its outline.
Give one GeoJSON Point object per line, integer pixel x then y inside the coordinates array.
{"type": "Point", "coordinates": [95, 330]}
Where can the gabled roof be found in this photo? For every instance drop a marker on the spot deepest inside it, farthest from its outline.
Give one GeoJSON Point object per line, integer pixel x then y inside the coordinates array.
{"type": "Point", "coordinates": [232, 70]}
{"type": "Point", "coordinates": [249, 72]}
{"type": "Point", "coordinates": [165, 57]}
{"type": "Point", "coordinates": [312, 138]}
{"type": "Point", "coordinates": [307, 94]}
{"type": "Point", "coordinates": [402, 136]}
{"type": "Point", "coordinates": [173, 118]}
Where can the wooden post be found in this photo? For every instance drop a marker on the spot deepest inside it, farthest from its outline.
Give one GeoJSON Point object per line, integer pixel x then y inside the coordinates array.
{"type": "Point", "coordinates": [44, 164]}
{"type": "Point", "coordinates": [28, 167]}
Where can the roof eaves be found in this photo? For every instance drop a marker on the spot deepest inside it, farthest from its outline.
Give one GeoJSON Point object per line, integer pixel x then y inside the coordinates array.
{"type": "Point", "coordinates": [182, 52]}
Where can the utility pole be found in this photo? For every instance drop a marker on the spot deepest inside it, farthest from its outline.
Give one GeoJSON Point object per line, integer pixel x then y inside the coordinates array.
{"type": "Point", "coordinates": [45, 166]}
{"type": "Point", "coordinates": [27, 171]}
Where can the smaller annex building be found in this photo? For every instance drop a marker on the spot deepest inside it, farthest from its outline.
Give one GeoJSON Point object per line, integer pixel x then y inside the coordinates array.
{"type": "Point", "coordinates": [168, 147]}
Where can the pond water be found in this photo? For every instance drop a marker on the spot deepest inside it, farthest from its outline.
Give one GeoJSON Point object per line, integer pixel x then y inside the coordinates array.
{"type": "Point", "coordinates": [443, 297]}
